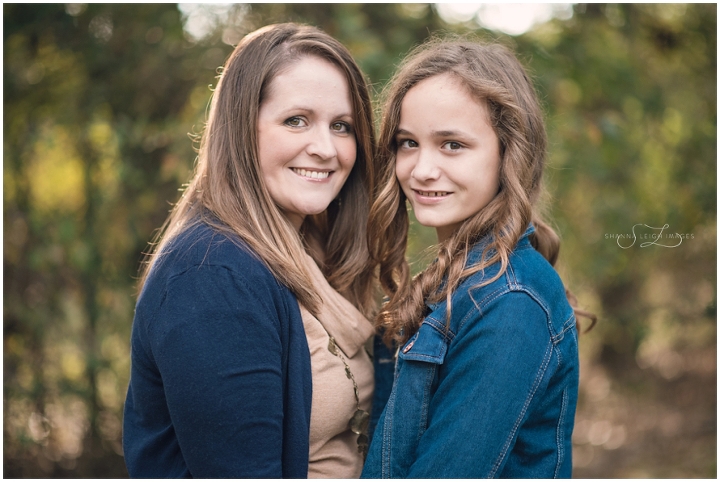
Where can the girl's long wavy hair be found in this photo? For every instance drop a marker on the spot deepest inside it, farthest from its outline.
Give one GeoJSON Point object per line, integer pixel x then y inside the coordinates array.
{"type": "Point", "coordinates": [228, 192]}
{"type": "Point", "coordinates": [494, 76]}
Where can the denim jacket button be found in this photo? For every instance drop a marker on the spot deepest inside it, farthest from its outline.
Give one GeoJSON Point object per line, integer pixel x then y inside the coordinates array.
{"type": "Point", "coordinates": [407, 348]}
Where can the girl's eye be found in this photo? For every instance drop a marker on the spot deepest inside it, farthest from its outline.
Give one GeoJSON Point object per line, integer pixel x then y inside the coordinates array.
{"type": "Point", "coordinates": [340, 127]}
{"type": "Point", "coordinates": [453, 146]}
{"type": "Point", "coordinates": [295, 122]}
{"type": "Point", "coordinates": [407, 143]}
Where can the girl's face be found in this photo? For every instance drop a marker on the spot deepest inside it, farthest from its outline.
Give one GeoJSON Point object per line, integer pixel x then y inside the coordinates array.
{"type": "Point", "coordinates": [306, 141]}
{"type": "Point", "coordinates": [448, 155]}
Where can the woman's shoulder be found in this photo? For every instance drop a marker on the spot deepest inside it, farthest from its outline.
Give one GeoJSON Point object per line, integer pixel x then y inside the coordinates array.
{"type": "Point", "coordinates": [207, 269]}
{"type": "Point", "coordinates": [203, 245]}
{"type": "Point", "coordinates": [202, 250]}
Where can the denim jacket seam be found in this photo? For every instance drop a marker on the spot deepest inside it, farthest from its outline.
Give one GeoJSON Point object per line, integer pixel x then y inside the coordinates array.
{"type": "Point", "coordinates": [559, 356]}
{"type": "Point", "coordinates": [433, 357]}
{"type": "Point", "coordinates": [559, 433]}
{"type": "Point", "coordinates": [518, 421]}
{"type": "Point", "coordinates": [386, 449]}
{"type": "Point", "coordinates": [569, 323]}
{"type": "Point", "coordinates": [446, 332]}
{"type": "Point", "coordinates": [425, 407]}
{"type": "Point", "coordinates": [511, 277]}
{"type": "Point", "coordinates": [555, 337]}
{"type": "Point", "coordinates": [486, 300]}
{"type": "Point", "coordinates": [470, 314]}
{"type": "Point", "coordinates": [520, 288]}
{"type": "Point", "coordinates": [425, 358]}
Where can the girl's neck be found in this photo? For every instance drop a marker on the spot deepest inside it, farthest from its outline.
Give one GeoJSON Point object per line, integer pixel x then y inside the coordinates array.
{"type": "Point", "coordinates": [444, 233]}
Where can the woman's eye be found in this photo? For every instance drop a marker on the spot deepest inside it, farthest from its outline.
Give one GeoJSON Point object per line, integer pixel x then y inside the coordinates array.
{"type": "Point", "coordinates": [407, 143]}
{"type": "Point", "coordinates": [340, 127]}
{"type": "Point", "coordinates": [295, 122]}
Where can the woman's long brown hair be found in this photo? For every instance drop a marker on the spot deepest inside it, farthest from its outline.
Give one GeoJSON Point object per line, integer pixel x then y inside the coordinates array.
{"type": "Point", "coordinates": [228, 192]}
{"type": "Point", "coordinates": [494, 76]}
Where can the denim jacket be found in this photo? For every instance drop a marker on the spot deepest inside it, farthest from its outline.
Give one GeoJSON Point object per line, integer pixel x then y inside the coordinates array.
{"type": "Point", "coordinates": [493, 394]}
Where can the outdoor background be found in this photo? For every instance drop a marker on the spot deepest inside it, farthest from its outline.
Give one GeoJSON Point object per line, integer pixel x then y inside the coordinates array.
{"type": "Point", "coordinates": [98, 104]}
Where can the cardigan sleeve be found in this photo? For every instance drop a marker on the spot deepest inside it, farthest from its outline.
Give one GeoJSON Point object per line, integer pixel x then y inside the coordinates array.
{"type": "Point", "coordinates": [216, 342]}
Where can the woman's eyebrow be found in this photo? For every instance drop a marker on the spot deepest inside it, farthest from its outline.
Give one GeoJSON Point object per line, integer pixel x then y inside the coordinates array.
{"type": "Point", "coordinates": [312, 110]}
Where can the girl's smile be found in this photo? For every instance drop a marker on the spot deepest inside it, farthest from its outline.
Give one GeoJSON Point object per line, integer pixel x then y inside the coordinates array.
{"type": "Point", "coordinates": [429, 197]}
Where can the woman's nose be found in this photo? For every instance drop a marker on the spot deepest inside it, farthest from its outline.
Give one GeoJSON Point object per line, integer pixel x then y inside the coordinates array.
{"type": "Point", "coordinates": [322, 144]}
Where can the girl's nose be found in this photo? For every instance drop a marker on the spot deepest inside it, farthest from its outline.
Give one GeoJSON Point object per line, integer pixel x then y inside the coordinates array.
{"type": "Point", "coordinates": [425, 168]}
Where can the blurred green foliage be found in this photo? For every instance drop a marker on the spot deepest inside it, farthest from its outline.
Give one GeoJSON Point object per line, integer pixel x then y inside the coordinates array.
{"type": "Point", "coordinates": [99, 100]}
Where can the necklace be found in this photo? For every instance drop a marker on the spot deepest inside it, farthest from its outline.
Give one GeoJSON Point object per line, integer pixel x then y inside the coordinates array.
{"type": "Point", "coordinates": [361, 418]}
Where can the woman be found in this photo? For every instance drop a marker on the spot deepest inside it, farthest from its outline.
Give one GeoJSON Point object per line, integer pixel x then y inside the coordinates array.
{"type": "Point", "coordinates": [487, 372]}
{"type": "Point", "coordinates": [248, 354]}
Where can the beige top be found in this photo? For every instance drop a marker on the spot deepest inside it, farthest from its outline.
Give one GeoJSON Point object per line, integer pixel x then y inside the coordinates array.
{"type": "Point", "coordinates": [333, 447]}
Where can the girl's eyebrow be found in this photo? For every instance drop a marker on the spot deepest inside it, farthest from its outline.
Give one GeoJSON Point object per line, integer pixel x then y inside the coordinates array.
{"type": "Point", "coordinates": [444, 133]}
{"type": "Point", "coordinates": [449, 133]}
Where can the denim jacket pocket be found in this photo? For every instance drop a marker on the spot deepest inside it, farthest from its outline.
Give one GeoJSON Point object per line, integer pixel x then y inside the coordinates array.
{"type": "Point", "coordinates": [406, 413]}
{"type": "Point", "coordinates": [427, 345]}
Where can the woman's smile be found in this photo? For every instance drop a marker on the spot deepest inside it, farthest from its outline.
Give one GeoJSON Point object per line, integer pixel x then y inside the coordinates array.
{"type": "Point", "coordinates": [312, 174]}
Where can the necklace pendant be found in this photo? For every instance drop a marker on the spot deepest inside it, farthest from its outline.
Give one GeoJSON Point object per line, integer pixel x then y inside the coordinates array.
{"type": "Point", "coordinates": [362, 442]}
{"type": "Point", "coordinates": [359, 422]}
{"type": "Point", "coordinates": [332, 346]}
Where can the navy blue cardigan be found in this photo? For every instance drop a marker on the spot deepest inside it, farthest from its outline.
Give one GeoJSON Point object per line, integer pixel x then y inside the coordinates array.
{"type": "Point", "coordinates": [220, 383]}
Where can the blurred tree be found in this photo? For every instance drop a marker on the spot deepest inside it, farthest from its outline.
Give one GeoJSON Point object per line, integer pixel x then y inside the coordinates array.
{"type": "Point", "coordinates": [630, 91]}
{"type": "Point", "coordinates": [94, 102]}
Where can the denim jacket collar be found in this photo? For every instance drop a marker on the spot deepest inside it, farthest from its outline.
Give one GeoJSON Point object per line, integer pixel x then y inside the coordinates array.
{"type": "Point", "coordinates": [474, 254]}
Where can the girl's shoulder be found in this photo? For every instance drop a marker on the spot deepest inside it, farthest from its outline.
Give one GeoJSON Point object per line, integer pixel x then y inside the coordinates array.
{"type": "Point", "coordinates": [529, 275]}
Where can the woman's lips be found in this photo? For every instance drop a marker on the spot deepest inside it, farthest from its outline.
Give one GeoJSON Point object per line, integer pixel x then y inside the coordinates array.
{"type": "Point", "coordinates": [312, 174]}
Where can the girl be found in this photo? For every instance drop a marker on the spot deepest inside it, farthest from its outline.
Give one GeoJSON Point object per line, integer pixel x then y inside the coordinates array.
{"type": "Point", "coordinates": [487, 373]}
{"type": "Point", "coordinates": [248, 340]}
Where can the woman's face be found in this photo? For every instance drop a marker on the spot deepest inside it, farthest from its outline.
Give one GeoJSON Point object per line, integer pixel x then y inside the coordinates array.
{"type": "Point", "coordinates": [448, 155]}
{"type": "Point", "coordinates": [306, 137]}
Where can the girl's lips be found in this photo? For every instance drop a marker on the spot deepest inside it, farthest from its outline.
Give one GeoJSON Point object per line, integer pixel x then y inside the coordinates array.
{"type": "Point", "coordinates": [432, 193]}
{"type": "Point", "coordinates": [311, 174]}
{"type": "Point", "coordinates": [430, 197]}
